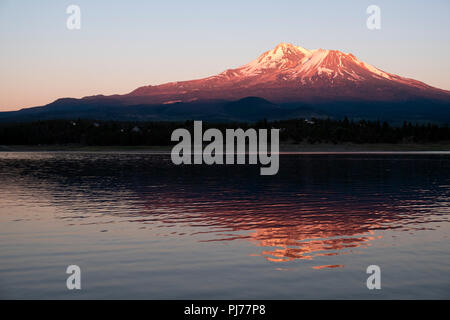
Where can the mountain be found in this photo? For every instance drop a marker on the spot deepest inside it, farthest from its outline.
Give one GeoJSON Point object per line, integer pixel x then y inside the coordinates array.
{"type": "Point", "coordinates": [292, 73]}
{"type": "Point", "coordinates": [285, 82]}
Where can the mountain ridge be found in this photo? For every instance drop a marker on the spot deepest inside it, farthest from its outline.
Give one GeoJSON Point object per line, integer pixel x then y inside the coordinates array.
{"type": "Point", "coordinates": [292, 73]}
{"type": "Point", "coordinates": [285, 82]}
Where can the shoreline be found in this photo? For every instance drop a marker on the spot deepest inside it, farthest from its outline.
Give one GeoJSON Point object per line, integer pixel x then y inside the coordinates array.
{"type": "Point", "coordinates": [284, 148]}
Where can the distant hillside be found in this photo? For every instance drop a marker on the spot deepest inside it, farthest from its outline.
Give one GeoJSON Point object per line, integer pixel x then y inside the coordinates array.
{"type": "Point", "coordinates": [286, 82]}
{"type": "Point", "coordinates": [249, 109]}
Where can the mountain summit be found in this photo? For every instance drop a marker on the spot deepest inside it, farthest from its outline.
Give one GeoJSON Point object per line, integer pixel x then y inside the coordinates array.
{"type": "Point", "coordinates": [293, 73]}
{"type": "Point", "coordinates": [283, 83]}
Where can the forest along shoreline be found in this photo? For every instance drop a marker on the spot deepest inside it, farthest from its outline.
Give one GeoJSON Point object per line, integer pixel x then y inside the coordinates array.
{"type": "Point", "coordinates": [347, 147]}
{"type": "Point", "coordinates": [296, 135]}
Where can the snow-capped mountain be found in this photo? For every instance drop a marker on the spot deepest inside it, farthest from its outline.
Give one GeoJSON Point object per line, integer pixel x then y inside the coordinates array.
{"type": "Point", "coordinates": [284, 83]}
{"type": "Point", "coordinates": [292, 73]}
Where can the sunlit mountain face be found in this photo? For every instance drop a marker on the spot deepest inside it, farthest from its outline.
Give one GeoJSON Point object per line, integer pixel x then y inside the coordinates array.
{"type": "Point", "coordinates": [287, 82]}
{"type": "Point", "coordinates": [292, 73]}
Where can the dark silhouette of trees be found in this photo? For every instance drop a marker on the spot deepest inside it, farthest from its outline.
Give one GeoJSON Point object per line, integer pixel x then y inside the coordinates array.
{"type": "Point", "coordinates": [102, 133]}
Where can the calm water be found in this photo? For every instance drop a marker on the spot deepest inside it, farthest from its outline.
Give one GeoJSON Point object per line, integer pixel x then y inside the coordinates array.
{"type": "Point", "coordinates": [140, 227]}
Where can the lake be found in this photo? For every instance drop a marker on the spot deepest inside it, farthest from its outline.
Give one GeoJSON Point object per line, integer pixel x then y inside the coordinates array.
{"type": "Point", "coordinates": [140, 227]}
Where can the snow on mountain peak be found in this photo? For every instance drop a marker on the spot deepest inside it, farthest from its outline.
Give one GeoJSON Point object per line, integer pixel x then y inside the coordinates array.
{"type": "Point", "coordinates": [283, 56]}
{"type": "Point", "coordinates": [287, 61]}
{"type": "Point", "coordinates": [290, 72]}
{"type": "Point", "coordinates": [286, 47]}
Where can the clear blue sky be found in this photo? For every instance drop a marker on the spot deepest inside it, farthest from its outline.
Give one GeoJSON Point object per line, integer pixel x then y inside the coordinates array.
{"type": "Point", "coordinates": [126, 44]}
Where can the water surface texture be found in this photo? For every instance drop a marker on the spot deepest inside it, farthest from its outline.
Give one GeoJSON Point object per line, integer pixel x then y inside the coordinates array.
{"type": "Point", "coordinates": [140, 227]}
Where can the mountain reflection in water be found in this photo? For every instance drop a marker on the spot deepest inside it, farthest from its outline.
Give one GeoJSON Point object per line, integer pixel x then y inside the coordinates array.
{"type": "Point", "coordinates": [317, 205]}
{"type": "Point", "coordinates": [300, 226]}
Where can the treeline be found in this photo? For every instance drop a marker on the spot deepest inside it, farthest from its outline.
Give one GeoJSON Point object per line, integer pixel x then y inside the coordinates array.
{"type": "Point", "coordinates": [342, 131]}
{"type": "Point", "coordinates": [103, 133]}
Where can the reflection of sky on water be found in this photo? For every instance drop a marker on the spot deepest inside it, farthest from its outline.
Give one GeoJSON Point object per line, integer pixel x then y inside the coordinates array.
{"type": "Point", "coordinates": [318, 205]}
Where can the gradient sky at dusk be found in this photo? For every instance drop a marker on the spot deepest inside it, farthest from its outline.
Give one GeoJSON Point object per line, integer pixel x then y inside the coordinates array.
{"type": "Point", "coordinates": [126, 44]}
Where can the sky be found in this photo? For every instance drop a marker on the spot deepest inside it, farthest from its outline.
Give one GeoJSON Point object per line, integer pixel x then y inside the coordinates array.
{"type": "Point", "coordinates": [122, 45]}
